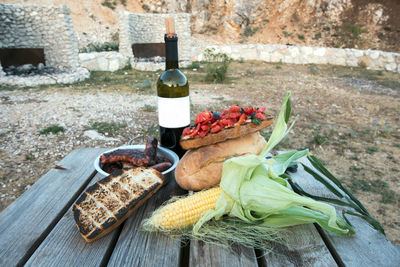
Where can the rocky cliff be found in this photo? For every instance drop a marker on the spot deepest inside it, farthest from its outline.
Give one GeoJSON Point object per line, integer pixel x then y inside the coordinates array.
{"type": "Point", "coordinates": [363, 24]}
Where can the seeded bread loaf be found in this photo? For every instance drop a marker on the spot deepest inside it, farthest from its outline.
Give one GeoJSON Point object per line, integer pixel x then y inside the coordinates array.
{"type": "Point", "coordinates": [110, 201]}
{"type": "Point", "coordinates": [225, 134]}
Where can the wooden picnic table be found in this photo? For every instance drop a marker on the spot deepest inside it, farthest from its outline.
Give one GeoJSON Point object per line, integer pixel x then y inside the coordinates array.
{"type": "Point", "coordinates": [38, 229]}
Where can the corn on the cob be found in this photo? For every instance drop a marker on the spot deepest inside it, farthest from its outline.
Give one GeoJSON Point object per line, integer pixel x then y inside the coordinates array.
{"type": "Point", "coordinates": [186, 211]}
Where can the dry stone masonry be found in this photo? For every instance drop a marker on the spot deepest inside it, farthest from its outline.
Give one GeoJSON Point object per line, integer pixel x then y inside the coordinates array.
{"type": "Point", "coordinates": [103, 61]}
{"type": "Point", "coordinates": [370, 59]}
{"type": "Point", "coordinates": [51, 28]}
{"type": "Point", "coordinates": [46, 27]}
{"type": "Point", "coordinates": [150, 28]}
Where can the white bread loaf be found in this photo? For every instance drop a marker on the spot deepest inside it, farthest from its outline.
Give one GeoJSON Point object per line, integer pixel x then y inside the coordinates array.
{"type": "Point", "coordinates": [202, 167]}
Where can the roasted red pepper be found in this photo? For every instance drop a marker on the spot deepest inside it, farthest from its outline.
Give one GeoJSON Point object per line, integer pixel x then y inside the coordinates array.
{"type": "Point", "coordinates": [211, 122]}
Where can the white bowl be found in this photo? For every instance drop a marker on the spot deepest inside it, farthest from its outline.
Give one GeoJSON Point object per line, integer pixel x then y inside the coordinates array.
{"type": "Point", "coordinates": [161, 151]}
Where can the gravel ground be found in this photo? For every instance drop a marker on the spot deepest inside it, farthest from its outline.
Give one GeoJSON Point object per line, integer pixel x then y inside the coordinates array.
{"type": "Point", "coordinates": [347, 117]}
{"type": "Point", "coordinates": [24, 113]}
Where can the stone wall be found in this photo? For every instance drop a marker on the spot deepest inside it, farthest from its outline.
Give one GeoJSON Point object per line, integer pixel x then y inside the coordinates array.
{"type": "Point", "coordinates": [150, 28]}
{"type": "Point", "coordinates": [103, 61]}
{"type": "Point", "coordinates": [35, 26]}
{"type": "Point", "coordinates": [371, 59]}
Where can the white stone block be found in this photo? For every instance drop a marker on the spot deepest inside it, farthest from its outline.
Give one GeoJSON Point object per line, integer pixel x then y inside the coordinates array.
{"type": "Point", "coordinates": [396, 57]}
{"type": "Point", "coordinates": [249, 53]}
{"type": "Point", "coordinates": [276, 56]}
{"type": "Point", "coordinates": [287, 59]}
{"type": "Point", "coordinates": [226, 49]}
{"type": "Point", "coordinates": [357, 52]}
{"type": "Point", "coordinates": [265, 55]}
{"type": "Point", "coordinates": [341, 61]}
{"type": "Point", "coordinates": [391, 66]}
{"type": "Point", "coordinates": [319, 52]}
{"type": "Point", "coordinates": [102, 63]}
{"type": "Point", "coordinates": [86, 56]}
{"type": "Point", "coordinates": [114, 64]}
{"type": "Point", "coordinates": [294, 51]}
{"type": "Point", "coordinates": [351, 61]}
{"type": "Point", "coordinates": [387, 57]}
{"type": "Point", "coordinates": [306, 50]}
{"type": "Point", "coordinates": [373, 54]}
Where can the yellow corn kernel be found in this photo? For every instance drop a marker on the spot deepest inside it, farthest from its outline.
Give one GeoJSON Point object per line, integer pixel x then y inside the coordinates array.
{"type": "Point", "coordinates": [186, 211]}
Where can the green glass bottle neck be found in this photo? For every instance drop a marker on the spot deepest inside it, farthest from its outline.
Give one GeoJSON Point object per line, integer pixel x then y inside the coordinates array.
{"type": "Point", "coordinates": [171, 52]}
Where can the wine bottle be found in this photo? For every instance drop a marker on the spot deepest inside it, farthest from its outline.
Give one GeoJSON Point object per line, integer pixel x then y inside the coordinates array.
{"type": "Point", "coordinates": [173, 96]}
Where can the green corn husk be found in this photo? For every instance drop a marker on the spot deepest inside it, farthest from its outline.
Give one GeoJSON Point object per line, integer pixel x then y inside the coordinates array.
{"type": "Point", "coordinates": [257, 202]}
{"type": "Point", "coordinates": [253, 190]}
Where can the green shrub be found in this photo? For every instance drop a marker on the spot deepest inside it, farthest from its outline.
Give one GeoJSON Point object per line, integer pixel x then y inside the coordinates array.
{"type": "Point", "coordinates": [301, 36]}
{"type": "Point", "coordinates": [107, 3]}
{"type": "Point", "coordinates": [107, 128]}
{"type": "Point", "coordinates": [314, 69]}
{"type": "Point", "coordinates": [388, 196]}
{"type": "Point", "coordinates": [146, 84]}
{"type": "Point", "coordinates": [217, 65]}
{"type": "Point", "coordinates": [249, 31]}
{"type": "Point", "coordinates": [371, 149]}
{"type": "Point", "coordinates": [355, 30]}
{"type": "Point", "coordinates": [285, 33]}
{"type": "Point", "coordinates": [29, 156]}
{"type": "Point", "coordinates": [107, 46]}
{"type": "Point", "coordinates": [149, 108]}
{"type": "Point", "coordinates": [250, 71]}
{"type": "Point", "coordinates": [326, 28]}
{"type": "Point", "coordinates": [320, 135]}
{"type": "Point", "coordinates": [194, 65]}
{"type": "Point", "coordinates": [52, 129]}
{"type": "Point", "coordinates": [350, 35]}
{"type": "Point", "coordinates": [152, 130]}
{"type": "Point", "coordinates": [146, 8]}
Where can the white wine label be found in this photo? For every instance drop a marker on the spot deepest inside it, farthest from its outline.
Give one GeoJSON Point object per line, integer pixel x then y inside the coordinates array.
{"type": "Point", "coordinates": [173, 112]}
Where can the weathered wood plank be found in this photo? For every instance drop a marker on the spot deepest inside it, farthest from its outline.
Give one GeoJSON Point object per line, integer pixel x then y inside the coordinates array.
{"type": "Point", "coordinates": [303, 246]}
{"type": "Point", "coordinates": [367, 248]}
{"type": "Point", "coordinates": [29, 219]}
{"type": "Point", "coordinates": [202, 254]}
{"type": "Point", "coordinates": [64, 246]}
{"type": "Point", "coordinates": [138, 248]}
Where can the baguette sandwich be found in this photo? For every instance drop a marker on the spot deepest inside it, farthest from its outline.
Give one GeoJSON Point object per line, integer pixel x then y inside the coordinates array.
{"type": "Point", "coordinates": [110, 201]}
{"type": "Point", "coordinates": [231, 123]}
{"type": "Point", "coordinates": [215, 138]}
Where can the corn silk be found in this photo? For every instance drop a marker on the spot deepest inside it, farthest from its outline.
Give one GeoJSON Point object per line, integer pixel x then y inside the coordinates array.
{"type": "Point", "coordinates": [256, 203]}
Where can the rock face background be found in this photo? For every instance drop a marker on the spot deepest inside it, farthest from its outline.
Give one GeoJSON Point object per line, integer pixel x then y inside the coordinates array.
{"type": "Point", "coordinates": [362, 24]}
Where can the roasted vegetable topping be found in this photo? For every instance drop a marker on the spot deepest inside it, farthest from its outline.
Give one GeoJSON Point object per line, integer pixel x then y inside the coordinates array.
{"type": "Point", "coordinates": [213, 122]}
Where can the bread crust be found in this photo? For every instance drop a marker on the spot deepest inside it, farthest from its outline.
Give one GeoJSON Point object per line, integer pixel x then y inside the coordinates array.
{"type": "Point", "coordinates": [201, 168]}
{"type": "Point", "coordinates": [125, 205]}
{"type": "Point", "coordinates": [225, 134]}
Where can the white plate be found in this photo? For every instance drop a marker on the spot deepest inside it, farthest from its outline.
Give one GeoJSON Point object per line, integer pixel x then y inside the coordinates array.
{"type": "Point", "coordinates": [161, 151]}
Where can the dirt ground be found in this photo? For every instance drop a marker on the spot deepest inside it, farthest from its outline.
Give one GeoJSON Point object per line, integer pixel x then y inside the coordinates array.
{"type": "Point", "coordinates": [348, 117]}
